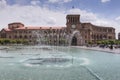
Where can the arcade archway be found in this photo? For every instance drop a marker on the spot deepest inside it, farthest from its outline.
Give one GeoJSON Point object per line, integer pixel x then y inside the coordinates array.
{"type": "Point", "coordinates": [74, 41]}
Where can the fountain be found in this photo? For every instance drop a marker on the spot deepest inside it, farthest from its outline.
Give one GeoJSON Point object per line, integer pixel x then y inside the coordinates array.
{"type": "Point", "coordinates": [53, 58]}
{"type": "Point", "coordinates": [77, 34]}
{"type": "Point", "coordinates": [52, 42]}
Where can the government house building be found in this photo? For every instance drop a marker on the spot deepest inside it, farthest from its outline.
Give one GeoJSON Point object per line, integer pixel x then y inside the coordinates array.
{"type": "Point", "coordinates": [75, 32]}
{"type": "Point", "coordinates": [119, 36]}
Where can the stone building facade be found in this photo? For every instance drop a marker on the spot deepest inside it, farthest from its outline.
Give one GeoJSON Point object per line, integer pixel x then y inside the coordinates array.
{"type": "Point", "coordinates": [75, 32]}
{"type": "Point", "coordinates": [118, 36]}
{"type": "Point", "coordinates": [88, 31]}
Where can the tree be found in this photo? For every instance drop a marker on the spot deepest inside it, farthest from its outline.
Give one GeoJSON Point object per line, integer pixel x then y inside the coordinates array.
{"type": "Point", "coordinates": [6, 41]}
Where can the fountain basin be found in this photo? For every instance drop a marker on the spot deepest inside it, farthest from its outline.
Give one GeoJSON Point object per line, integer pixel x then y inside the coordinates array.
{"type": "Point", "coordinates": [58, 64]}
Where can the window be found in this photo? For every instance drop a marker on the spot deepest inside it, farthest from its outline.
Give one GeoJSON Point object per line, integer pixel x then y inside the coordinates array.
{"type": "Point", "coordinates": [109, 30]}
{"type": "Point", "coordinates": [20, 36]}
{"type": "Point", "coordinates": [9, 36]}
{"type": "Point", "coordinates": [30, 36]}
{"type": "Point", "coordinates": [15, 36]}
{"type": "Point", "coordinates": [110, 37]}
{"type": "Point", "coordinates": [29, 31]}
{"type": "Point", "coordinates": [25, 36]}
{"type": "Point", "coordinates": [83, 27]}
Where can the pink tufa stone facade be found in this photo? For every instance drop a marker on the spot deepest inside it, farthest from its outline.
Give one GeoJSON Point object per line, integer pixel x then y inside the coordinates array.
{"type": "Point", "coordinates": [87, 31]}
{"type": "Point", "coordinates": [118, 36]}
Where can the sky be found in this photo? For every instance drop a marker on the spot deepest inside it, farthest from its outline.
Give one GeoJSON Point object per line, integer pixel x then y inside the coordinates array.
{"type": "Point", "coordinates": [53, 12]}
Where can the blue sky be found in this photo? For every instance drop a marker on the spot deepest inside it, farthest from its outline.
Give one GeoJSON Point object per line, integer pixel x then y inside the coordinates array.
{"type": "Point", "coordinates": [109, 7]}
{"type": "Point", "coordinates": [53, 12]}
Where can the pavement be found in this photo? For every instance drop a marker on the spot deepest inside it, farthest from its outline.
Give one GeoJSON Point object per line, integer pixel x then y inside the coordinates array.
{"type": "Point", "coordinates": [114, 50]}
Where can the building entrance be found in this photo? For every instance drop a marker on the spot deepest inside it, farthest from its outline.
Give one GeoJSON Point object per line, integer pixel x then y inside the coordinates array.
{"type": "Point", "coordinates": [74, 41]}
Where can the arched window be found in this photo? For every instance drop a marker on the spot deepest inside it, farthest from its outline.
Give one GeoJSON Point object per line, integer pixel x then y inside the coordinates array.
{"type": "Point", "coordinates": [15, 36]}
{"type": "Point", "coordinates": [30, 36]}
{"type": "Point", "coordinates": [74, 41]}
{"type": "Point", "coordinates": [20, 36]}
{"type": "Point", "coordinates": [9, 36]}
{"type": "Point", "coordinates": [25, 36]}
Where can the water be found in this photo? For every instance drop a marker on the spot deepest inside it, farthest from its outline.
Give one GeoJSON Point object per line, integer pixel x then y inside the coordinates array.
{"type": "Point", "coordinates": [57, 39]}
{"type": "Point", "coordinates": [42, 63]}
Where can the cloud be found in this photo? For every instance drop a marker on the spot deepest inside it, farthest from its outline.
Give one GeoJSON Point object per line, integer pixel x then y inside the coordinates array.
{"type": "Point", "coordinates": [117, 18]}
{"type": "Point", "coordinates": [3, 4]}
{"type": "Point", "coordinates": [90, 17]}
{"type": "Point", "coordinates": [51, 20]}
{"type": "Point", "coordinates": [35, 2]}
{"type": "Point", "coordinates": [85, 15]}
{"type": "Point", "coordinates": [104, 1]}
{"type": "Point", "coordinates": [96, 19]}
{"type": "Point", "coordinates": [61, 1]}
{"type": "Point", "coordinates": [20, 2]}
{"type": "Point", "coordinates": [31, 15]}
{"type": "Point", "coordinates": [117, 23]}
{"type": "Point", "coordinates": [67, 0]}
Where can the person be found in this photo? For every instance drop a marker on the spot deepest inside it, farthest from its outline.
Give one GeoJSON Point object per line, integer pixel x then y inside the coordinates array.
{"type": "Point", "coordinates": [111, 47]}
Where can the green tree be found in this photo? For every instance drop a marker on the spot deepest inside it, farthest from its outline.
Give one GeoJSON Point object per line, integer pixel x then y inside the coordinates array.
{"type": "Point", "coordinates": [6, 41]}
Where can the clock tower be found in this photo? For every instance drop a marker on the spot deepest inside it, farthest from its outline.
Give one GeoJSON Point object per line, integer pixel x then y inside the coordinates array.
{"type": "Point", "coordinates": [73, 27]}
{"type": "Point", "coordinates": [73, 22]}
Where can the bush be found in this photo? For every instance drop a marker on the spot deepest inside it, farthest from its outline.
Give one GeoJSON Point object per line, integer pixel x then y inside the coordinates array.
{"type": "Point", "coordinates": [13, 41]}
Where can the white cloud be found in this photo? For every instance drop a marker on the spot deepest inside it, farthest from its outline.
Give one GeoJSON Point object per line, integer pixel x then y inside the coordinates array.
{"type": "Point", "coordinates": [3, 4]}
{"type": "Point", "coordinates": [104, 1]}
{"type": "Point", "coordinates": [67, 0]}
{"type": "Point", "coordinates": [20, 2]}
{"type": "Point", "coordinates": [53, 1]}
{"type": "Point", "coordinates": [96, 19]}
{"type": "Point", "coordinates": [51, 20]}
{"type": "Point", "coordinates": [85, 15]}
{"type": "Point", "coordinates": [31, 15]}
{"type": "Point", "coordinates": [56, 1]}
{"type": "Point", "coordinates": [41, 16]}
{"type": "Point", "coordinates": [89, 17]}
{"type": "Point", "coordinates": [117, 23]}
{"type": "Point", "coordinates": [35, 2]}
{"type": "Point", "coordinates": [117, 18]}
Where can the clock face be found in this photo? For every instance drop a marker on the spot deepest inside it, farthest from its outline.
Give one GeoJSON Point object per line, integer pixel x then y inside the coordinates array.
{"type": "Point", "coordinates": [73, 26]}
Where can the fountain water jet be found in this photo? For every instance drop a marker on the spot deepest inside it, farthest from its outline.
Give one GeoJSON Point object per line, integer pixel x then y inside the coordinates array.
{"type": "Point", "coordinates": [54, 41]}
